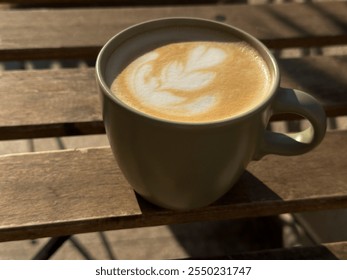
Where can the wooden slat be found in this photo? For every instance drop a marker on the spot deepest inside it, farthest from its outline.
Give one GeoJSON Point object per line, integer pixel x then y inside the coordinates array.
{"type": "Point", "coordinates": [108, 2]}
{"type": "Point", "coordinates": [35, 34]}
{"type": "Point", "coordinates": [42, 190]}
{"type": "Point", "coordinates": [45, 103]}
{"type": "Point", "coordinates": [322, 76]}
{"type": "Point", "coordinates": [62, 193]}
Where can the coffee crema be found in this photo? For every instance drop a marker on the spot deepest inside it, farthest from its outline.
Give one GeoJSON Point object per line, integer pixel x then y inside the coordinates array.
{"type": "Point", "coordinates": [194, 81]}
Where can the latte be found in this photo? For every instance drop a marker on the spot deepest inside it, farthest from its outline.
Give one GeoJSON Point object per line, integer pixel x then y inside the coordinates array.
{"type": "Point", "coordinates": [200, 81]}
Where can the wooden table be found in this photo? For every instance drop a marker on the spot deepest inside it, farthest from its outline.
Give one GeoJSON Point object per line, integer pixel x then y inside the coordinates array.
{"type": "Point", "coordinates": [60, 193]}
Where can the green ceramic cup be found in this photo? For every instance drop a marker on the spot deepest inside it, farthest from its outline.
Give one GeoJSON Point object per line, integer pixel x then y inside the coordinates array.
{"type": "Point", "coordinates": [182, 165]}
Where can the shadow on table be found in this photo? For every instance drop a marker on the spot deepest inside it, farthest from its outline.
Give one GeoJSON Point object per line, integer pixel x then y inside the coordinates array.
{"type": "Point", "coordinates": [225, 237]}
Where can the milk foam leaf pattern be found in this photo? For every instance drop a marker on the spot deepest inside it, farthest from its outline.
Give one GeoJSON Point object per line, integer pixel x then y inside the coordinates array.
{"type": "Point", "coordinates": [175, 76]}
{"type": "Point", "coordinates": [198, 81]}
{"type": "Point", "coordinates": [168, 86]}
{"type": "Point", "coordinates": [194, 74]}
{"type": "Point", "coordinates": [204, 57]}
{"type": "Point", "coordinates": [147, 89]}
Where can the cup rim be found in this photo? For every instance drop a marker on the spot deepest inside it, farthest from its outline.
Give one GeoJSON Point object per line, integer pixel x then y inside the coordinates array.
{"type": "Point", "coordinates": [254, 42]}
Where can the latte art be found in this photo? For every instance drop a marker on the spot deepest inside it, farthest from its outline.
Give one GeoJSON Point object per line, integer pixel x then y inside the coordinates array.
{"type": "Point", "coordinates": [193, 81]}
{"type": "Point", "coordinates": [161, 91]}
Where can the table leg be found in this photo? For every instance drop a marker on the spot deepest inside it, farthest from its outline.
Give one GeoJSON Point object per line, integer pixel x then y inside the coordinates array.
{"type": "Point", "coordinates": [51, 247]}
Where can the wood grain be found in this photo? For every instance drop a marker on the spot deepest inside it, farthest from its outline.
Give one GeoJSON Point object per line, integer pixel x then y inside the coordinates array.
{"type": "Point", "coordinates": [322, 76]}
{"type": "Point", "coordinates": [49, 103]}
{"type": "Point", "coordinates": [41, 190]}
{"type": "Point", "coordinates": [63, 193]}
{"type": "Point", "coordinates": [45, 103]}
{"type": "Point", "coordinates": [108, 2]}
{"type": "Point", "coordinates": [80, 33]}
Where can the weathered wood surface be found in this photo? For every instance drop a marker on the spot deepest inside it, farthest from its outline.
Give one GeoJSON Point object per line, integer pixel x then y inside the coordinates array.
{"type": "Point", "coordinates": [109, 2]}
{"type": "Point", "coordinates": [68, 192]}
{"type": "Point", "coordinates": [322, 76]}
{"type": "Point", "coordinates": [35, 34]}
{"type": "Point", "coordinates": [42, 190]}
{"type": "Point", "coordinates": [49, 103]}
{"type": "Point", "coordinates": [44, 103]}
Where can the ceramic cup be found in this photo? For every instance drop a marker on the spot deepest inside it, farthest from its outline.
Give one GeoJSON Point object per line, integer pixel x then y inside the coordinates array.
{"type": "Point", "coordinates": [182, 165]}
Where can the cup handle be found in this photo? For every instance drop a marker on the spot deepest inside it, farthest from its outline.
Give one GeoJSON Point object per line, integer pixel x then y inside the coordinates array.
{"type": "Point", "coordinates": [288, 144]}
